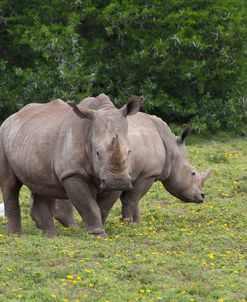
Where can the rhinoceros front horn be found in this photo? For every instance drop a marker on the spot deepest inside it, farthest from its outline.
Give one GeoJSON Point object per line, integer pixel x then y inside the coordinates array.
{"type": "Point", "coordinates": [206, 174]}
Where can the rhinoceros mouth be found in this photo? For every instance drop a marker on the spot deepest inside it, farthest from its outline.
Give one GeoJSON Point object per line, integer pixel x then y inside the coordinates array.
{"type": "Point", "coordinates": [118, 185]}
{"type": "Point", "coordinates": [193, 199]}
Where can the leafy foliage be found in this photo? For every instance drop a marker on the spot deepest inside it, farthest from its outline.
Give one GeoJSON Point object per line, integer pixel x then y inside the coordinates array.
{"type": "Point", "coordinates": [188, 58]}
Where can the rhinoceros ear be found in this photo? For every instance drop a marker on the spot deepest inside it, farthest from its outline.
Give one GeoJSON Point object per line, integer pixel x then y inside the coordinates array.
{"type": "Point", "coordinates": [185, 133]}
{"type": "Point", "coordinates": [133, 105]}
{"type": "Point", "coordinates": [82, 112]}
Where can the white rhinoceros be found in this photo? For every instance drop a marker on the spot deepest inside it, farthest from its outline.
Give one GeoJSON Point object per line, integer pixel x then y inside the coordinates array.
{"type": "Point", "coordinates": [62, 152]}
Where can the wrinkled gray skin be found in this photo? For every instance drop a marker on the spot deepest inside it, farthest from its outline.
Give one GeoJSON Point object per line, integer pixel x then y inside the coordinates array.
{"type": "Point", "coordinates": [61, 152]}
{"type": "Point", "coordinates": [157, 154]}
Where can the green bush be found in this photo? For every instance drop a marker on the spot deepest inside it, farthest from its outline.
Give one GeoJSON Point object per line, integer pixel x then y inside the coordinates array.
{"type": "Point", "coordinates": [187, 57]}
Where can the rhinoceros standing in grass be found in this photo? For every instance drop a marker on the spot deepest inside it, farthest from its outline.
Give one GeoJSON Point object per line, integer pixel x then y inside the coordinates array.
{"type": "Point", "coordinates": [157, 154]}
{"type": "Point", "coordinates": [62, 152]}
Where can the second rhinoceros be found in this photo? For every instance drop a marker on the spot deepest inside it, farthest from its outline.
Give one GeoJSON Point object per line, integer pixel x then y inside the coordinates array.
{"type": "Point", "coordinates": [62, 152]}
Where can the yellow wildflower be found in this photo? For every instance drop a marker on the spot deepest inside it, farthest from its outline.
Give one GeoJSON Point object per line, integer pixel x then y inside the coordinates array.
{"type": "Point", "coordinates": [88, 271]}
{"type": "Point", "coordinates": [70, 277]}
{"type": "Point", "coordinates": [53, 296]}
{"type": "Point", "coordinates": [211, 256]}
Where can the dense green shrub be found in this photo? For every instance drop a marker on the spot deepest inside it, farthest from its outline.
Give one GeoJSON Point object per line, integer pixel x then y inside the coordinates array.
{"type": "Point", "coordinates": [187, 57]}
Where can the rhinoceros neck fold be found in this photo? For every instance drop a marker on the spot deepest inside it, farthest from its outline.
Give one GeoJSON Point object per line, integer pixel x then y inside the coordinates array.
{"type": "Point", "coordinates": [169, 141]}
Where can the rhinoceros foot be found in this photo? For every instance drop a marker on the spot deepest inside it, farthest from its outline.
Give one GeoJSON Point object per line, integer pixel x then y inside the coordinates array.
{"type": "Point", "coordinates": [97, 232]}
{"type": "Point", "coordinates": [126, 220]}
{"type": "Point", "coordinates": [14, 227]}
{"type": "Point", "coordinates": [65, 221]}
{"type": "Point", "coordinates": [11, 232]}
{"type": "Point", "coordinates": [63, 212]}
{"type": "Point", "coordinates": [134, 219]}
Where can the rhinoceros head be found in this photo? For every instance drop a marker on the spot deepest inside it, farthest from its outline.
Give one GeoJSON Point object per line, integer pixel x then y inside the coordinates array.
{"type": "Point", "coordinates": [184, 181]}
{"type": "Point", "coordinates": [109, 149]}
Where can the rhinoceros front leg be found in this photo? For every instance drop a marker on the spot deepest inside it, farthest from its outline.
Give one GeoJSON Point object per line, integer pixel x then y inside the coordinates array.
{"type": "Point", "coordinates": [63, 212]}
{"type": "Point", "coordinates": [130, 199]}
{"type": "Point", "coordinates": [106, 202]}
{"type": "Point", "coordinates": [41, 212]}
{"type": "Point", "coordinates": [83, 198]}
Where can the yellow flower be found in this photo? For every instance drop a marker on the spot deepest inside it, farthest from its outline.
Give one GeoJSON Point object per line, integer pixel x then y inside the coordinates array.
{"type": "Point", "coordinates": [158, 298]}
{"type": "Point", "coordinates": [53, 296]}
{"type": "Point", "coordinates": [148, 291]}
{"type": "Point", "coordinates": [78, 278]}
{"type": "Point", "coordinates": [69, 277]}
{"type": "Point", "coordinates": [211, 256]}
{"type": "Point", "coordinates": [88, 271]}
{"type": "Point", "coordinates": [19, 296]}
{"type": "Point", "coordinates": [77, 300]}
{"type": "Point", "coordinates": [90, 285]}
{"type": "Point", "coordinates": [9, 270]}
{"type": "Point", "coordinates": [220, 300]}
{"type": "Point", "coordinates": [142, 291]}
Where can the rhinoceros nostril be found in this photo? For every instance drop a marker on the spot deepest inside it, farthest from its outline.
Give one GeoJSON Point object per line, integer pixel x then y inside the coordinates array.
{"type": "Point", "coordinates": [203, 195]}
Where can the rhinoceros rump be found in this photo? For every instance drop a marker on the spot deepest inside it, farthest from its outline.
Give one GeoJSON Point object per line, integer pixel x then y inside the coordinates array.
{"type": "Point", "coordinates": [157, 154]}
{"type": "Point", "coordinates": [63, 152]}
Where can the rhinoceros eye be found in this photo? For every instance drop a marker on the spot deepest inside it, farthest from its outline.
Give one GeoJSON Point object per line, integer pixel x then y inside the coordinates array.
{"type": "Point", "coordinates": [193, 173]}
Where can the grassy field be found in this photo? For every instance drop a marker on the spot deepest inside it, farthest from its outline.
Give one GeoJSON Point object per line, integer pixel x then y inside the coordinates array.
{"type": "Point", "coordinates": [179, 252]}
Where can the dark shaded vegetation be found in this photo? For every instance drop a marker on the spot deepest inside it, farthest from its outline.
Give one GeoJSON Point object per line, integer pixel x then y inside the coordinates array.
{"type": "Point", "coordinates": [188, 58]}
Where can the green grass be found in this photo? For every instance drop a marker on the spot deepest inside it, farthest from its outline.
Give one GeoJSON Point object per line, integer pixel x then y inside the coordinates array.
{"type": "Point", "coordinates": [179, 252]}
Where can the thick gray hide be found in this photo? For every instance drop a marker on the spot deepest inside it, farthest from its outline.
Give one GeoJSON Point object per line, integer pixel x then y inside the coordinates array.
{"type": "Point", "coordinates": [63, 152]}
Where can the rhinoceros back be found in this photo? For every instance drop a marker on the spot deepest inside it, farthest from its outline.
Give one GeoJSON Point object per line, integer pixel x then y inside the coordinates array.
{"type": "Point", "coordinates": [30, 140]}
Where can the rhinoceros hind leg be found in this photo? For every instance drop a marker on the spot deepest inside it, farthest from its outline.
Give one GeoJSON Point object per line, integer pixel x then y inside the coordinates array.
{"type": "Point", "coordinates": [130, 199]}
{"type": "Point", "coordinates": [42, 213]}
{"type": "Point", "coordinates": [10, 190]}
{"type": "Point", "coordinates": [106, 202]}
{"type": "Point", "coordinates": [63, 212]}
